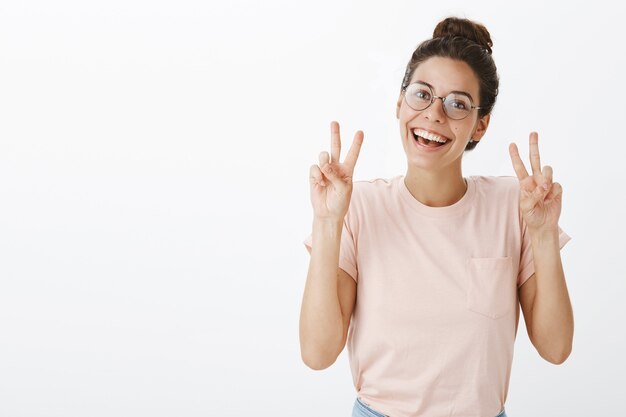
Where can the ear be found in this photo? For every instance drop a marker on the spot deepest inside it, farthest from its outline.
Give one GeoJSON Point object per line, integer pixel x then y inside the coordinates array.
{"type": "Point", "coordinates": [481, 127]}
{"type": "Point", "coordinates": [398, 106]}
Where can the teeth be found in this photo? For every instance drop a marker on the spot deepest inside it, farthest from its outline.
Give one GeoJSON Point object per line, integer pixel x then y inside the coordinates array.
{"type": "Point", "coordinates": [429, 136]}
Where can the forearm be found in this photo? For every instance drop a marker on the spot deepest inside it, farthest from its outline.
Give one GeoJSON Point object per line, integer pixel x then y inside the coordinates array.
{"type": "Point", "coordinates": [553, 318]}
{"type": "Point", "coordinates": [321, 324]}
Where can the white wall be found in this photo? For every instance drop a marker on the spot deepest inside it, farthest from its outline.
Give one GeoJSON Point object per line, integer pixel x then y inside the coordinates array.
{"type": "Point", "coordinates": [154, 193]}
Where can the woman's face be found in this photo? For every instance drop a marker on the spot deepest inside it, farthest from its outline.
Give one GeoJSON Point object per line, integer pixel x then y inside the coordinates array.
{"type": "Point", "coordinates": [444, 75]}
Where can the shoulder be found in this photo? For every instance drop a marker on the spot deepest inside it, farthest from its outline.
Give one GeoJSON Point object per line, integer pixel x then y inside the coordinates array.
{"type": "Point", "coordinates": [374, 187]}
{"type": "Point", "coordinates": [496, 181]}
{"type": "Point", "coordinates": [500, 193]}
{"type": "Point", "coordinates": [373, 194]}
{"type": "Point", "coordinates": [501, 186]}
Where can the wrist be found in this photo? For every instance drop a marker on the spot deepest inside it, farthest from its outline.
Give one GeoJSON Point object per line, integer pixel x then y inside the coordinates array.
{"type": "Point", "coordinates": [328, 224]}
{"type": "Point", "coordinates": [544, 236]}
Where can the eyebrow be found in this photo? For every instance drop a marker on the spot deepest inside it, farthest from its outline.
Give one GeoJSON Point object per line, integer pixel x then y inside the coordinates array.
{"type": "Point", "coordinates": [453, 91]}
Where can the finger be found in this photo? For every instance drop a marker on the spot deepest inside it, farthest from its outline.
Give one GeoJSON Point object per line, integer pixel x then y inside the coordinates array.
{"type": "Point", "coordinates": [324, 159]}
{"type": "Point", "coordinates": [323, 162]}
{"type": "Point", "coordinates": [538, 195]}
{"type": "Point", "coordinates": [315, 176]}
{"type": "Point", "coordinates": [555, 192]}
{"type": "Point", "coordinates": [335, 142]}
{"type": "Point", "coordinates": [353, 153]}
{"type": "Point", "coordinates": [518, 164]}
{"type": "Point", "coordinates": [333, 176]}
{"type": "Point", "coordinates": [534, 153]}
{"type": "Point", "coordinates": [547, 176]}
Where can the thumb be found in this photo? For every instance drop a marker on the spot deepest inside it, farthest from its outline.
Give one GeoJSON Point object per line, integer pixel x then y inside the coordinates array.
{"type": "Point", "coordinates": [333, 175]}
{"type": "Point", "coordinates": [538, 195]}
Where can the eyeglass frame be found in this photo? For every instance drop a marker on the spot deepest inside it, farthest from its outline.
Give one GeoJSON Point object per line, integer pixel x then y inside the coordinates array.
{"type": "Point", "coordinates": [443, 100]}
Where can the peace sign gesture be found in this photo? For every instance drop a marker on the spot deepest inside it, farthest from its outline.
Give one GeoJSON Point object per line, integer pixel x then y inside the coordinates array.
{"type": "Point", "coordinates": [331, 181]}
{"type": "Point", "coordinates": [540, 199]}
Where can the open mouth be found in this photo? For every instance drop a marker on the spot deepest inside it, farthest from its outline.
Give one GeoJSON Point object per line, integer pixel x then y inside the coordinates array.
{"type": "Point", "coordinates": [432, 141]}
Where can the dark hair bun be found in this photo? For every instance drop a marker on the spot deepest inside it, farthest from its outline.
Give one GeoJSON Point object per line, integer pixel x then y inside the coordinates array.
{"type": "Point", "coordinates": [454, 26]}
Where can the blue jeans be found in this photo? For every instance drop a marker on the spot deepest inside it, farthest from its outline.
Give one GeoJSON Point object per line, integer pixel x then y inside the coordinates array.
{"type": "Point", "coordinates": [361, 409]}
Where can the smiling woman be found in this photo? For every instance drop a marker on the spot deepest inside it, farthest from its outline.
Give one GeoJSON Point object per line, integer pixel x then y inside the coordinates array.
{"type": "Point", "coordinates": [426, 335]}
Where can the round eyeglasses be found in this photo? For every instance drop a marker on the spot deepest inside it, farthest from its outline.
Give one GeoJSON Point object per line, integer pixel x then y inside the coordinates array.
{"type": "Point", "coordinates": [419, 96]}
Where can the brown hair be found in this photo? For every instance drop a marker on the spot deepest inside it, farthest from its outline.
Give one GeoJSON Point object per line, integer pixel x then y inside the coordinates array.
{"type": "Point", "coordinates": [467, 41]}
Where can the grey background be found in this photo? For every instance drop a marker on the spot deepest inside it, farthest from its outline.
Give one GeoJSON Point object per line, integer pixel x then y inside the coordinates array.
{"type": "Point", "coordinates": [154, 193]}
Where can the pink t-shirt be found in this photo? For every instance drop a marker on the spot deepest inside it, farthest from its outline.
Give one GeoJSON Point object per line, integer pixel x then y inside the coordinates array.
{"type": "Point", "coordinates": [436, 314]}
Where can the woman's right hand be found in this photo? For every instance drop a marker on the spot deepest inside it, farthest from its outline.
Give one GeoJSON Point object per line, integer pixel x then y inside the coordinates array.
{"type": "Point", "coordinates": [331, 181]}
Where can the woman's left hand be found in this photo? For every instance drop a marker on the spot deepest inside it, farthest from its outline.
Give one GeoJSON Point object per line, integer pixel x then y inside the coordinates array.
{"type": "Point", "coordinates": [541, 207]}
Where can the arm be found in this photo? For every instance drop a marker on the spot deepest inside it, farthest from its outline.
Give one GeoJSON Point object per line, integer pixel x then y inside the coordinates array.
{"type": "Point", "coordinates": [545, 300]}
{"type": "Point", "coordinates": [321, 321]}
{"type": "Point", "coordinates": [328, 291]}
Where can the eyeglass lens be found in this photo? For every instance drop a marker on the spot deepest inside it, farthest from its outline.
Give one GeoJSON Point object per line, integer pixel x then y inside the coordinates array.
{"type": "Point", "coordinates": [419, 97]}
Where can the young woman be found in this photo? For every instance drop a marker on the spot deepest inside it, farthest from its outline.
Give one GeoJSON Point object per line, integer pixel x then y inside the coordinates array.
{"type": "Point", "coordinates": [423, 274]}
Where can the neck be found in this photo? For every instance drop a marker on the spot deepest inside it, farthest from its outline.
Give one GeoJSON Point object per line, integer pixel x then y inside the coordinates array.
{"type": "Point", "coordinates": [435, 188]}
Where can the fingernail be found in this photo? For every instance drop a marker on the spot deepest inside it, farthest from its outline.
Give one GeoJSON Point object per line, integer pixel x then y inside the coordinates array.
{"type": "Point", "coordinates": [545, 186]}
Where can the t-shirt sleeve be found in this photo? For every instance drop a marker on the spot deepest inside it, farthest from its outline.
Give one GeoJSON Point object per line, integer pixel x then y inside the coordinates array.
{"type": "Point", "coordinates": [347, 250]}
{"type": "Point", "coordinates": [527, 267]}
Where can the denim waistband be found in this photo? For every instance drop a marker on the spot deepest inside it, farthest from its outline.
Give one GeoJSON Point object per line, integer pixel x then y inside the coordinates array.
{"type": "Point", "coordinates": [361, 409]}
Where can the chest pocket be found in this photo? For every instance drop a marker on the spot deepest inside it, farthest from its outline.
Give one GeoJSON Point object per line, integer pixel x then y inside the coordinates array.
{"type": "Point", "coordinates": [491, 286]}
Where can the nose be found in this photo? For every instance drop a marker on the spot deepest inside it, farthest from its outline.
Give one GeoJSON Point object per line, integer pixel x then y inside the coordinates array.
{"type": "Point", "coordinates": [435, 112]}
